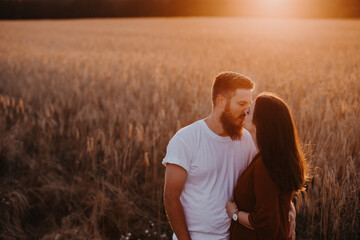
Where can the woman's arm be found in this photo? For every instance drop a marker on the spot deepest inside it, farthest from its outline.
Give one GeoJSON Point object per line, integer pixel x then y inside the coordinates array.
{"type": "Point", "coordinates": [265, 218]}
{"type": "Point", "coordinates": [243, 217]}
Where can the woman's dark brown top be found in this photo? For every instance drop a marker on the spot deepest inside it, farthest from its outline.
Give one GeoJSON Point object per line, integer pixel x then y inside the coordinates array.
{"type": "Point", "coordinates": [268, 207]}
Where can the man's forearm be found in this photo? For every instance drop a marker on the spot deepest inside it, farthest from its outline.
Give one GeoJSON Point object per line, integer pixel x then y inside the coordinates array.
{"type": "Point", "coordinates": [292, 209]}
{"type": "Point", "coordinates": [292, 221]}
{"type": "Point", "coordinates": [176, 216]}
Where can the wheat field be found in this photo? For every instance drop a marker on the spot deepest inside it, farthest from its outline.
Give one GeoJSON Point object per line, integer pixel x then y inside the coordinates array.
{"type": "Point", "coordinates": [87, 108]}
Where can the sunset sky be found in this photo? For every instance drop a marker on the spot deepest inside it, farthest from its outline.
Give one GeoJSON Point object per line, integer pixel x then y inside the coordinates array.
{"type": "Point", "coordinates": [133, 8]}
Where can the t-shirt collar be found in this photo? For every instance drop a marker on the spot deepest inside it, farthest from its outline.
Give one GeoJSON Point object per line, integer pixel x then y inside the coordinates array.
{"type": "Point", "coordinates": [212, 134]}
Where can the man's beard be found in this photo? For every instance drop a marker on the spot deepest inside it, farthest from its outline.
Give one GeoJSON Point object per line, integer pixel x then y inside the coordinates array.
{"type": "Point", "coordinates": [234, 130]}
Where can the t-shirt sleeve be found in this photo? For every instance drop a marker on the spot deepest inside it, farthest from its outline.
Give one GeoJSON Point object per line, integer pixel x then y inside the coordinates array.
{"type": "Point", "coordinates": [179, 153]}
{"type": "Point", "coordinates": [266, 218]}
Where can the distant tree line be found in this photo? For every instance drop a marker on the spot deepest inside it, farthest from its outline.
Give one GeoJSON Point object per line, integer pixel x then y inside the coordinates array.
{"type": "Point", "coordinates": [27, 9]}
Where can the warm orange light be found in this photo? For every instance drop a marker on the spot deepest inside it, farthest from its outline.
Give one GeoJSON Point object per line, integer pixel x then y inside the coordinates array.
{"type": "Point", "coordinates": [272, 8]}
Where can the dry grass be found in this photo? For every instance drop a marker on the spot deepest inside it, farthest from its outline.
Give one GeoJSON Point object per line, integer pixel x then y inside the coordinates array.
{"type": "Point", "coordinates": [87, 108]}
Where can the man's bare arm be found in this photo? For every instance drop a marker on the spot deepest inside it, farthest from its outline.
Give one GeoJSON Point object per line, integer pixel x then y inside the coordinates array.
{"type": "Point", "coordinates": [175, 178]}
{"type": "Point", "coordinates": [292, 220]}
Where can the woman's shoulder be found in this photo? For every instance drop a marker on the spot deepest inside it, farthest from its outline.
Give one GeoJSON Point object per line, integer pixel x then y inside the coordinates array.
{"type": "Point", "coordinates": [254, 162]}
{"type": "Point", "coordinates": [258, 161]}
{"type": "Point", "coordinates": [260, 169]}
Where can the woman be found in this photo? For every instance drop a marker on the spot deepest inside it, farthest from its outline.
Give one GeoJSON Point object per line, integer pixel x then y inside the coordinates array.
{"type": "Point", "coordinates": [263, 193]}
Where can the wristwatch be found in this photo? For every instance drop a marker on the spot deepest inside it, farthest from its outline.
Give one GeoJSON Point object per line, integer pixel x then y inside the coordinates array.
{"type": "Point", "coordinates": [235, 215]}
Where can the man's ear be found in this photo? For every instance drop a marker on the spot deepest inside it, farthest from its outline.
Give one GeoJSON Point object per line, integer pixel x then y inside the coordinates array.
{"type": "Point", "coordinates": [221, 101]}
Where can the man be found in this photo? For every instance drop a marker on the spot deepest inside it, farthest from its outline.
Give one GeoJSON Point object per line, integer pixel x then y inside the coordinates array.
{"type": "Point", "coordinates": [204, 160]}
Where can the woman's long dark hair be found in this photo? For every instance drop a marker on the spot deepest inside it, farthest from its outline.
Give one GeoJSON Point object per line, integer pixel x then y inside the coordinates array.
{"type": "Point", "coordinates": [278, 142]}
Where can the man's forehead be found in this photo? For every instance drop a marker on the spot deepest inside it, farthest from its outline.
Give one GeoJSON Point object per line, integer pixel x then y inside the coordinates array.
{"type": "Point", "coordinates": [242, 95]}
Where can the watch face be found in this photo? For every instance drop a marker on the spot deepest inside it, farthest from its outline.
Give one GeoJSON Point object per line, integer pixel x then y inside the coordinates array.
{"type": "Point", "coordinates": [235, 217]}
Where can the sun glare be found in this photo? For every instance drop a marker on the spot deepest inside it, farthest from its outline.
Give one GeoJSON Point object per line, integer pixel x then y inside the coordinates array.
{"type": "Point", "coordinates": [273, 8]}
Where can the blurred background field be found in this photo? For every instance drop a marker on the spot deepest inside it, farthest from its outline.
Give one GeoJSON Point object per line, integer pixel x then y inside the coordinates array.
{"type": "Point", "coordinates": [87, 108]}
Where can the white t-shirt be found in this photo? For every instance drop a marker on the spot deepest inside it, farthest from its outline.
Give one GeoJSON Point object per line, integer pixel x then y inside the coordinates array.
{"type": "Point", "coordinates": [213, 164]}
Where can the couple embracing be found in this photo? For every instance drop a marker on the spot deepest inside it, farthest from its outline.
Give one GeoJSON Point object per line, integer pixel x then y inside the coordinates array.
{"type": "Point", "coordinates": [233, 174]}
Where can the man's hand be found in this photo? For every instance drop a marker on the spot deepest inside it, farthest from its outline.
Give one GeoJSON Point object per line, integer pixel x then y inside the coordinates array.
{"type": "Point", "coordinates": [231, 208]}
{"type": "Point", "coordinates": [292, 221]}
